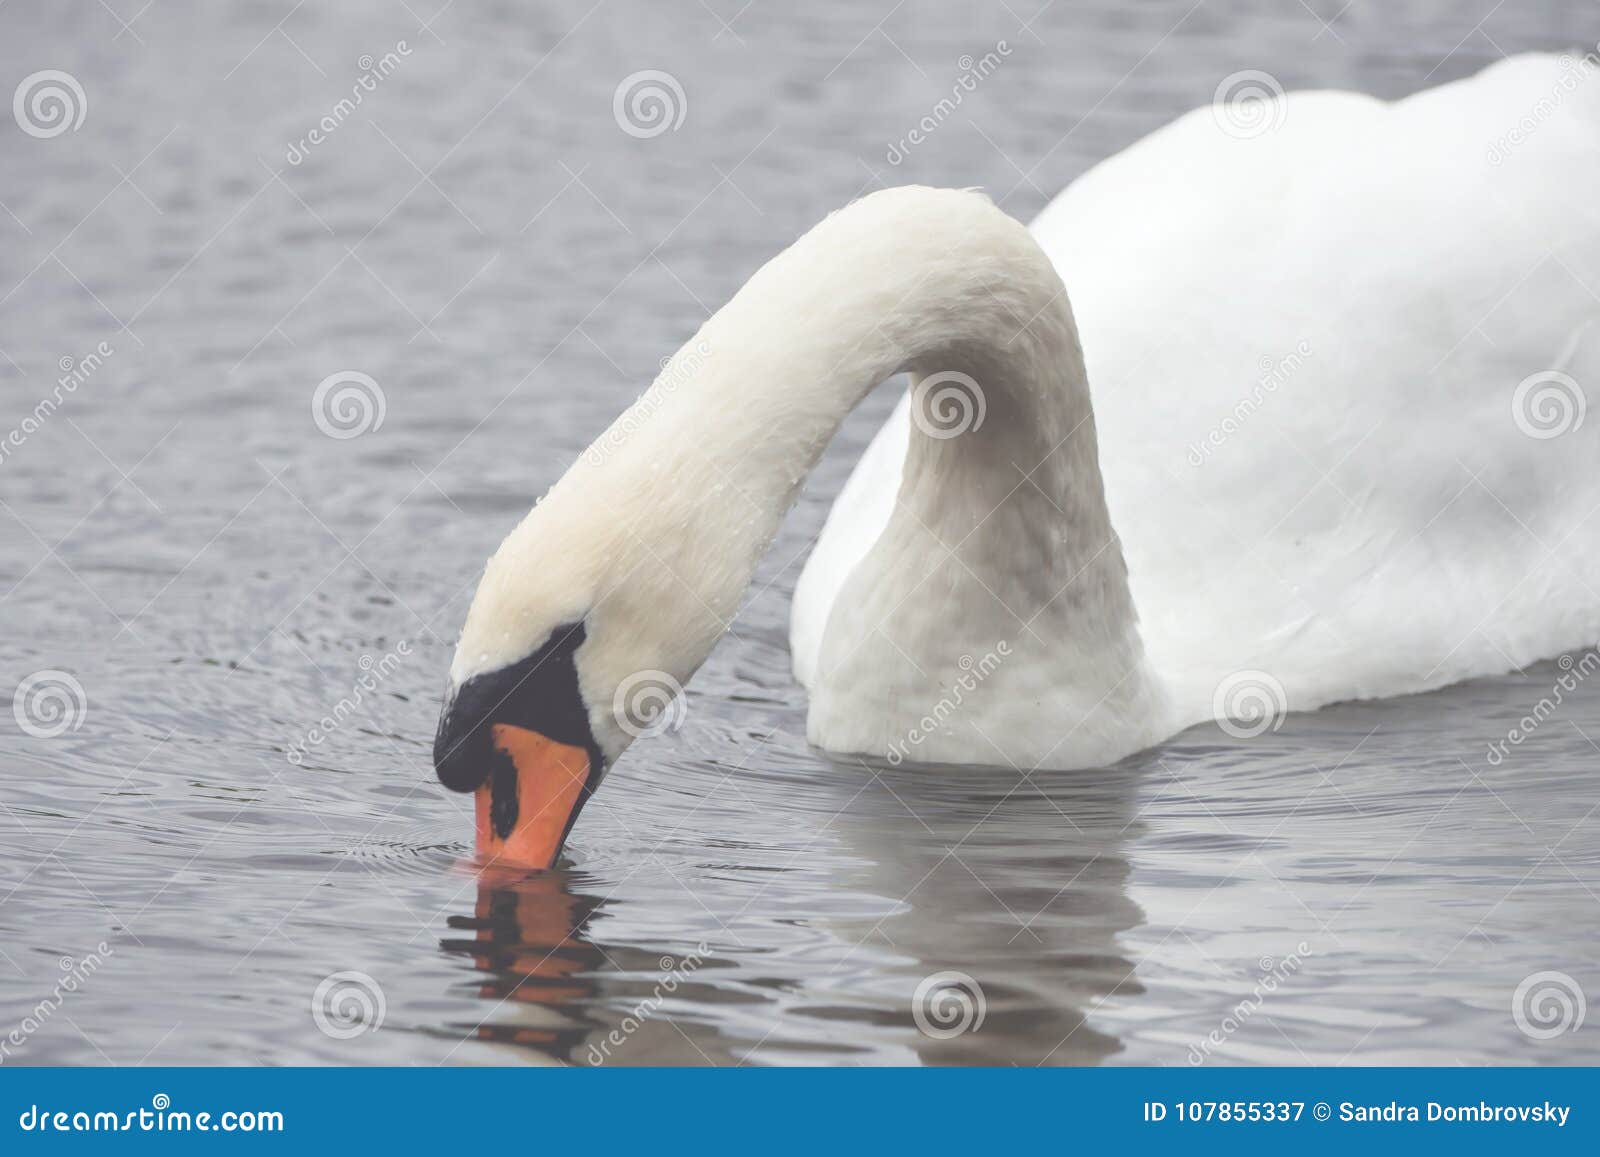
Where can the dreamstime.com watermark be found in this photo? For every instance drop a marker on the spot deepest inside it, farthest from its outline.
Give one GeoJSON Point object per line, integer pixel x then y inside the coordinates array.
{"type": "Point", "coordinates": [160, 1117]}
{"type": "Point", "coordinates": [973, 73]}
{"type": "Point", "coordinates": [373, 73]}
{"type": "Point", "coordinates": [1574, 71]}
{"type": "Point", "coordinates": [675, 970]}
{"type": "Point", "coordinates": [373, 673]}
{"type": "Point", "coordinates": [973, 672]}
{"type": "Point", "coordinates": [74, 372]}
{"type": "Point", "coordinates": [1573, 673]}
{"type": "Point", "coordinates": [675, 371]}
{"type": "Point", "coordinates": [74, 974]}
{"type": "Point", "coordinates": [1274, 374]}
{"type": "Point", "coordinates": [1272, 976]}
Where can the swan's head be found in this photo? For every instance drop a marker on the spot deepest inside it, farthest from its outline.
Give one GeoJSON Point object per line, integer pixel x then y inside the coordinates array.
{"type": "Point", "coordinates": [518, 737]}
{"type": "Point", "coordinates": [577, 642]}
{"type": "Point", "coordinates": [516, 729]}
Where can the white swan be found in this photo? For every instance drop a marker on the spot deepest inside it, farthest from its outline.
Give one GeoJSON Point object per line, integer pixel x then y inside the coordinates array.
{"type": "Point", "coordinates": [1339, 357]}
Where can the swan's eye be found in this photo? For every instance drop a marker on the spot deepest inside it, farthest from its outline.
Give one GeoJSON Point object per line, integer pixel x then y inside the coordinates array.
{"type": "Point", "coordinates": [519, 737]}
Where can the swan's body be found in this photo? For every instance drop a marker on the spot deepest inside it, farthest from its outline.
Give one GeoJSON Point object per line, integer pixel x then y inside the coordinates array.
{"type": "Point", "coordinates": [1303, 350]}
{"type": "Point", "coordinates": [1375, 522]}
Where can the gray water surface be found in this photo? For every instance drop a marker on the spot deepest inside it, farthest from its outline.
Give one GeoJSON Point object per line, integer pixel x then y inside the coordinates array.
{"type": "Point", "coordinates": [482, 239]}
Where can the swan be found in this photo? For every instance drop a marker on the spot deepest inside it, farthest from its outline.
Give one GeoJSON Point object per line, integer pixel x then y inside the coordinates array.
{"type": "Point", "coordinates": [1334, 449]}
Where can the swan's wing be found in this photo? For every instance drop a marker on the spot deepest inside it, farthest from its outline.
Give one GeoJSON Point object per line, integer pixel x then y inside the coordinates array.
{"type": "Point", "coordinates": [1306, 350]}
{"type": "Point", "coordinates": [1304, 347]}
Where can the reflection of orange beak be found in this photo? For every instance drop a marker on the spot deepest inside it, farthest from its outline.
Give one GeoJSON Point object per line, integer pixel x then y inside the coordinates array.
{"type": "Point", "coordinates": [550, 780]}
{"type": "Point", "coordinates": [537, 945]}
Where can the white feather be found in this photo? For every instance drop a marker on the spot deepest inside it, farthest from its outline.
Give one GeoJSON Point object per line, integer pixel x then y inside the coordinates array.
{"type": "Point", "coordinates": [1304, 348]}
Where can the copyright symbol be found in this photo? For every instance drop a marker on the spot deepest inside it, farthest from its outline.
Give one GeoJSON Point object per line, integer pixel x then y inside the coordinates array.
{"type": "Point", "coordinates": [1321, 1111]}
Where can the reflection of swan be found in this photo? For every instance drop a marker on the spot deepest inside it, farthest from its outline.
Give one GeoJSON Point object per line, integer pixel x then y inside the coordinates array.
{"type": "Point", "coordinates": [1018, 887]}
{"type": "Point", "coordinates": [553, 991]}
{"type": "Point", "coordinates": [527, 937]}
{"type": "Point", "coordinates": [1392, 514]}
{"type": "Point", "coordinates": [1008, 896]}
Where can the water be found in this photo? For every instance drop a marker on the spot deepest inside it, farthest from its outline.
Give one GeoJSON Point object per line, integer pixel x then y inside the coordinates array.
{"type": "Point", "coordinates": [481, 239]}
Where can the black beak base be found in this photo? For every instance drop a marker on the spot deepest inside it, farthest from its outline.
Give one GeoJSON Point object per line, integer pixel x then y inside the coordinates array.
{"type": "Point", "coordinates": [539, 693]}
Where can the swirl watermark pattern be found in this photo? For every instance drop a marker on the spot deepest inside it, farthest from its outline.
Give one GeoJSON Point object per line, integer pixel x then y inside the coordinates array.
{"type": "Point", "coordinates": [1248, 104]}
{"type": "Point", "coordinates": [947, 1004]}
{"type": "Point", "coordinates": [649, 103]}
{"type": "Point", "coordinates": [1548, 404]}
{"type": "Point", "coordinates": [49, 103]}
{"type": "Point", "coordinates": [348, 404]}
{"type": "Point", "coordinates": [1548, 1004]}
{"type": "Point", "coordinates": [49, 703]}
{"type": "Point", "coordinates": [1249, 703]}
{"type": "Point", "coordinates": [947, 404]}
{"type": "Point", "coordinates": [347, 1004]}
{"type": "Point", "coordinates": [649, 703]}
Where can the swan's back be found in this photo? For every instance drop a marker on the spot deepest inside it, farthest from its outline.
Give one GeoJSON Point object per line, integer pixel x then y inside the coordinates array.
{"type": "Point", "coordinates": [1305, 350]}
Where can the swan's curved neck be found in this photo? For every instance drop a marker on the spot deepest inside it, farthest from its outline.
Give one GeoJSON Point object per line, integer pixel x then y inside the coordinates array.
{"type": "Point", "coordinates": [687, 489]}
{"type": "Point", "coordinates": [939, 283]}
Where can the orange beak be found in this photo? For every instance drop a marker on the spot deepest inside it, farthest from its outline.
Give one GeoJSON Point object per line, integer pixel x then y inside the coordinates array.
{"type": "Point", "coordinates": [550, 781]}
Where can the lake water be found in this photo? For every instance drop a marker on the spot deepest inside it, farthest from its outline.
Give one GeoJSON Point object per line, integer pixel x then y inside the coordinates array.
{"type": "Point", "coordinates": [480, 238]}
